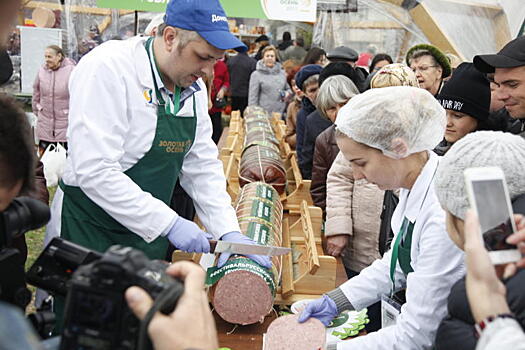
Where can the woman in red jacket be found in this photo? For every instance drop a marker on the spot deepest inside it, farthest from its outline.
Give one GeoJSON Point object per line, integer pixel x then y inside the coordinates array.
{"type": "Point", "coordinates": [221, 84]}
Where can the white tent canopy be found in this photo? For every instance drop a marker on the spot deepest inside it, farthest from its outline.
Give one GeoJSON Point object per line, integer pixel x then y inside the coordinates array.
{"type": "Point", "coordinates": [461, 27]}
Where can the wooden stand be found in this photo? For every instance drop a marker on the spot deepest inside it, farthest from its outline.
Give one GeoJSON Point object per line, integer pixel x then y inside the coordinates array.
{"type": "Point", "coordinates": [298, 189]}
{"type": "Point", "coordinates": [316, 272]}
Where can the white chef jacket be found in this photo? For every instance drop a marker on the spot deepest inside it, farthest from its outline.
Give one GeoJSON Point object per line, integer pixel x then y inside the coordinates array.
{"type": "Point", "coordinates": [112, 123]}
{"type": "Point", "coordinates": [437, 264]}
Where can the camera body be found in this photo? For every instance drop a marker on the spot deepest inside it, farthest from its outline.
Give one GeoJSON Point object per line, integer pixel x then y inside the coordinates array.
{"type": "Point", "coordinates": [22, 215]}
{"type": "Point", "coordinates": [96, 312]}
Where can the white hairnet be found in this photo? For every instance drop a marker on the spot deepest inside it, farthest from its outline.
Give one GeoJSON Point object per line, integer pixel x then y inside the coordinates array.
{"type": "Point", "coordinates": [398, 120]}
{"type": "Point", "coordinates": [479, 149]}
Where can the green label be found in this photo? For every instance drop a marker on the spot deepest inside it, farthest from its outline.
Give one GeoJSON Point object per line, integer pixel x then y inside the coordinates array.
{"type": "Point", "coordinates": [339, 320]}
{"type": "Point", "coordinates": [258, 232]}
{"type": "Point", "coordinates": [270, 154]}
{"type": "Point", "coordinates": [265, 192]}
{"type": "Point", "coordinates": [261, 210]}
{"type": "Point", "coordinates": [214, 274]}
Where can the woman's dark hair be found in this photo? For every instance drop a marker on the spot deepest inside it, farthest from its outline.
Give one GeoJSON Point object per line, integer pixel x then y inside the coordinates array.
{"type": "Point", "coordinates": [16, 147]}
{"type": "Point", "coordinates": [313, 55]}
{"type": "Point", "coordinates": [58, 50]}
{"type": "Point", "coordinates": [378, 58]}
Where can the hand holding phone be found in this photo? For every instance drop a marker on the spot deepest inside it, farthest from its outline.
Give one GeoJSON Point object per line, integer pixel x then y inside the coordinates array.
{"type": "Point", "coordinates": [489, 196]}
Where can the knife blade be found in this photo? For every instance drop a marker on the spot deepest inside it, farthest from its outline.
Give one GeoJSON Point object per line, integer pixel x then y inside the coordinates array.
{"type": "Point", "coordinates": [244, 249]}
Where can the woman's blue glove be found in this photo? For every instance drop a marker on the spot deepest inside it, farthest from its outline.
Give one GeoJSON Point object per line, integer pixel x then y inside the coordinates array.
{"type": "Point", "coordinates": [186, 235]}
{"type": "Point", "coordinates": [324, 309]}
{"type": "Point", "coordinates": [237, 237]}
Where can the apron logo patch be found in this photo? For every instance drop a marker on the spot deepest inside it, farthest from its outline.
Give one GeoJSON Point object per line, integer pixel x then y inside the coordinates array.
{"type": "Point", "coordinates": [175, 146]}
{"type": "Point", "coordinates": [147, 96]}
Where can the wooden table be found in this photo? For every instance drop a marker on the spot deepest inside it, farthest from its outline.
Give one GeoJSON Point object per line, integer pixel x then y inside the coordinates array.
{"type": "Point", "coordinates": [250, 337]}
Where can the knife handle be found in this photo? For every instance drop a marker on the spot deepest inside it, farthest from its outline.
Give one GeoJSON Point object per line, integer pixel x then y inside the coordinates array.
{"type": "Point", "coordinates": [213, 244]}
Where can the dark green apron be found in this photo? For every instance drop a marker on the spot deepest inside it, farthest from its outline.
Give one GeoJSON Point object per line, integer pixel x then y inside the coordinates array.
{"type": "Point", "coordinates": [85, 223]}
{"type": "Point", "coordinates": [401, 251]}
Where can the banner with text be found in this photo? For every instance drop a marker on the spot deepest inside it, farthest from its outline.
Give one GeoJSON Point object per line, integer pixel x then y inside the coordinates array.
{"type": "Point", "coordinates": [285, 10]}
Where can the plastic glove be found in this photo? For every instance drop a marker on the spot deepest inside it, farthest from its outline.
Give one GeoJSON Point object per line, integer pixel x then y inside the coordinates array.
{"type": "Point", "coordinates": [237, 237]}
{"type": "Point", "coordinates": [186, 235]}
{"type": "Point", "coordinates": [324, 309]}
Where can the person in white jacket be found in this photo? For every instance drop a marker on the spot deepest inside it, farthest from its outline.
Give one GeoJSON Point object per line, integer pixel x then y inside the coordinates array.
{"type": "Point", "coordinates": [138, 122]}
{"type": "Point", "coordinates": [388, 134]}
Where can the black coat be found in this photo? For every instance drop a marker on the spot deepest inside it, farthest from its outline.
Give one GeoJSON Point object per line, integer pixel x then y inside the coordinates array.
{"type": "Point", "coordinates": [456, 331]}
{"type": "Point", "coordinates": [240, 68]}
{"type": "Point", "coordinates": [306, 109]}
{"type": "Point", "coordinates": [315, 125]}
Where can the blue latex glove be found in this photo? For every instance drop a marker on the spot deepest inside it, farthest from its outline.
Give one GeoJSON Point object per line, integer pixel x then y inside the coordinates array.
{"type": "Point", "coordinates": [238, 237]}
{"type": "Point", "coordinates": [324, 309]}
{"type": "Point", "coordinates": [187, 236]}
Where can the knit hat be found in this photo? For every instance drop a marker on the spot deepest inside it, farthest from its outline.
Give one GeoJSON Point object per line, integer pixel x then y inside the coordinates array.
{"type": "Point", "coordinates": [306, 72]}
{"type": "Point", "coordinates": [338, 68]}
{"type": "Point", "coordinates": [467, 91]}
{"type": "Point", "coordinates": [479, 149]}
{"type": "Point", "coordinates": [395, 74]}
{"type": "Point", "coordinates": [440, 57]}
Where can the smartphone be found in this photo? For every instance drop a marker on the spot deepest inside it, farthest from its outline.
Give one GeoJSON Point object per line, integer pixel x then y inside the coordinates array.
{"type": "Point", "coordinates": [489, 196]}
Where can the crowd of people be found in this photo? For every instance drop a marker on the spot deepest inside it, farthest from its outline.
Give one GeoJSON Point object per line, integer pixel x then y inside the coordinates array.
{"type": "Point", "coordinates": [384, 144]}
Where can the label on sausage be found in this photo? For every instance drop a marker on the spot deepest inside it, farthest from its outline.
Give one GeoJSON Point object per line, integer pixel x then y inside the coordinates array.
{"type": "Point", "coordinates": [258, 232]}
{"type": "Point", "coordinates": [265, 192]}
{"type": "Point", "coordinates": [214, 274]}
{"type": "Point", "coordinates": [261, 210]}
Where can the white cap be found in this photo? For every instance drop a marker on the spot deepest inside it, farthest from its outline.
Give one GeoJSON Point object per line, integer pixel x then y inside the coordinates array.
{"type": "Point", "coordinates": [398, 120]}
{"type": "Point", "coordinates": [155, 22]}
{"type": "Point", "coordinates": [479, 149]}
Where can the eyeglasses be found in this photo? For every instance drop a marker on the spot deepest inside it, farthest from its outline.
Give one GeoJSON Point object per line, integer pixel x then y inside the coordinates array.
{"type": "Point", "coordinates": [422, 69]}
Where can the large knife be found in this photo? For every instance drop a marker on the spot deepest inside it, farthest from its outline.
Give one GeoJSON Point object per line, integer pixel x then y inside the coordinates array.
{"type": "Point", "coordinates": [245, 249]}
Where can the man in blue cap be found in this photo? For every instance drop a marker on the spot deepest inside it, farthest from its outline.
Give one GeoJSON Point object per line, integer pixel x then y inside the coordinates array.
{"type": "Point", "coordinates": [138, 121]}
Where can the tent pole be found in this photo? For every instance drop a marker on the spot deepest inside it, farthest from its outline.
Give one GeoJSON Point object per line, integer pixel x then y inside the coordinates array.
{"type": "Point", "coordinates": [522, 29]}
{"type": "Point", "coordinates": [136, 22]}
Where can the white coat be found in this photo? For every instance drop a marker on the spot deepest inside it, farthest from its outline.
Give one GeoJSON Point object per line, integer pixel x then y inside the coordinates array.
{"type": "Point", "coordinates": [112, 122]}
{"type": "Point", "coordinates": [437, 264]}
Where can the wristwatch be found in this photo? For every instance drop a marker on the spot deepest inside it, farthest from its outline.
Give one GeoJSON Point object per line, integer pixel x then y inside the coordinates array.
{"type": "Point", "coordinates": [483, 323]}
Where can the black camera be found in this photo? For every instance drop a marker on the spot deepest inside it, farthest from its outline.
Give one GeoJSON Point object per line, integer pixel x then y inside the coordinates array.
{"type": "Point", "coordinates": [22, 215]}
{"type": "Point", "coordinates": [96, 312]}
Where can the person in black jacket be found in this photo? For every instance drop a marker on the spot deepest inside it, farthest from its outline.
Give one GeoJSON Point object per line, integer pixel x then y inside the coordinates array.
{"type": "Point", "coordinates": [305, 79]}
{"type": "Point", "coordinates": [482, 148]}
{"type": "Point", "coordinates": [314, 123]}
{"type": "Point", "coordinates": [240, 67]}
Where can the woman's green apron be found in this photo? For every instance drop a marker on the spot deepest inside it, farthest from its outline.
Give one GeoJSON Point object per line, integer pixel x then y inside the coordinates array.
{"type": "Point", "coordinates": [85, 223]}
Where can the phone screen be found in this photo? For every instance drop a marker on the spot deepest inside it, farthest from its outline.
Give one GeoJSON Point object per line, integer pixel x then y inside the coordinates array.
{"type": "Point", "coordinates": [493, 213]}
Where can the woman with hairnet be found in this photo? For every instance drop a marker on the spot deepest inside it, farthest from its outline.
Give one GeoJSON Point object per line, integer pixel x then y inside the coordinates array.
{"type": "Point", "coordinates": [388, 134]}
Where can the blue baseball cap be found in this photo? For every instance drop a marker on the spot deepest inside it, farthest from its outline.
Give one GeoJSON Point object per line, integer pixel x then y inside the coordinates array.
{"type": "Point", "coordinates": [205, 17]}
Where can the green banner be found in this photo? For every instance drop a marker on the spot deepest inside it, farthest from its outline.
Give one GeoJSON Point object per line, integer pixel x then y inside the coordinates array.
{"type": "Point", "coordinates": [286, 10]}
{"type": "Point", "coordinates": [233, 8]}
